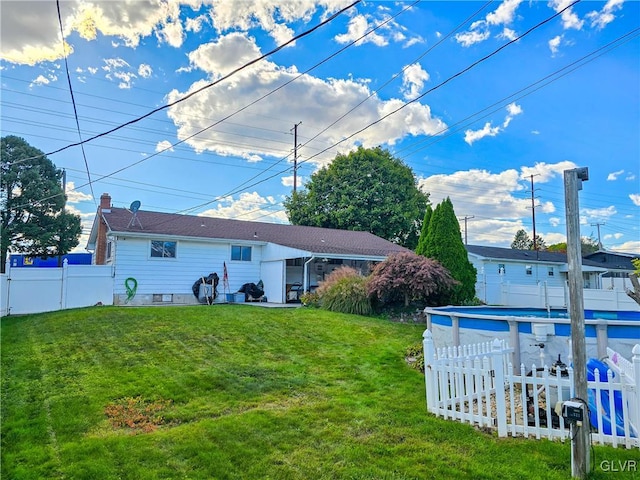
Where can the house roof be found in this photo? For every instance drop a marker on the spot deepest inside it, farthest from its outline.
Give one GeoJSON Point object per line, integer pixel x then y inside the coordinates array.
{"type": "Point", "coordinates": [517, 255]}
{"type": "Point", "coordinates": [315, 240]}
{"type": "Point", "coordinates": [613, 260]}
{"type": "Point", "coordinates": [511, 254]}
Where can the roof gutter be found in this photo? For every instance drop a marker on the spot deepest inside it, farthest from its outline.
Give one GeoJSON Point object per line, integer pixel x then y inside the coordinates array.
{"type": "Point", "coordinates": [305, 278]}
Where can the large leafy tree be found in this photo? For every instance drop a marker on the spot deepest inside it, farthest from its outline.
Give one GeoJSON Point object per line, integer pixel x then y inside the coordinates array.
{"type": "Point", "coordinates": [366, 190]}
{"type": "Point", "coordinates": [444, 244]}
{"type": "Point", "coordinates": [32, 203]}
{"type": "Point", "coordinates": [588, 245]}
{"type": "Point", "coordinates": [522, 241]}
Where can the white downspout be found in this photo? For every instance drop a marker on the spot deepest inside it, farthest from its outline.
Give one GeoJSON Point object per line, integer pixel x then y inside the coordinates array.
{"type": "Point", "coordinates": [305, 279]}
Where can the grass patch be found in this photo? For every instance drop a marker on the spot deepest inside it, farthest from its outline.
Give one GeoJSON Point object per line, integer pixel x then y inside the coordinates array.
{"type": "Point", "coordinates": [237, 391]}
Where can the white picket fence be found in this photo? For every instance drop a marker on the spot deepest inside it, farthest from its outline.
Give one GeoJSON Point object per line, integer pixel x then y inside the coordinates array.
{"type": "Point", "coordinates": [475, 384]}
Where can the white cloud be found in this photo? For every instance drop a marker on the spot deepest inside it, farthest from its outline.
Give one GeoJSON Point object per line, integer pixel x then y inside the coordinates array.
{"type": "Point", "coordinates": [513, 109]}
{"type": "Point", "coordinates": [40, 80]}
{"type": "Point", "coordinates": [554, 44]}
{"type": "Point", "coordinates": [467, 39]}
{"type": "Point", "coordinates": [635, 198]}
{"type": "Point", "coordinates": [598, 214]}
{"type": "Point", "coordinates": [125, 79]}
{"type": "Point", "coordinates": [195, 24]}
{"type": "Point", "coordinates": [628, 247]}
{"type": "Point", "coordinates": [605, 16]}
{"type": "Point", "coordinates": [630, 176]}
{"type": "Point", "coordinates": [248, 206]}
{"type": "Point", "coordinates": [358, 26]}
{"type": "Point", "coordinates": [164, 145]}
{"type": "Point", "coordinates": [569, 19]}
{"type": "Point", "coordinates": [324, 101]}
{"type": "Point", "coordinates": [471, 136]}
{"type": "Point", "coordinates": [508, 34]}
{"type": "Point", "coordinates": [535, 132]}
{"type": "Point", "coordinates": [498, 201]}
{"type": "Point", "coordinates": [545, 172]}
{"type": "Point", "coordinates": [504, 14]}
{"type": "Point", "coordinates": [144, 70]}
{"type": "Point", "coordinates": [480, 29]}
{"type": "Point", "coordinates": [92, 70]}
{"type": "Point", "coordinates": [28, 36]}
{"type": "Point", "coordinates": [224, 55]}
{"type": "Point", "coordinates": [413, 79]}
{"type": "Point", "coordinates": [111, 64]}
{"type": "Point", "coordinates": [76, 196]}
{"type": "Point", "coordinates": [614, 175]}
{"type": "Point", "coordinates": [413, 41]}
{"type": "Point", "coordinates": [266, 14]}
{"type": "Point", "coordinates": [616, 236]}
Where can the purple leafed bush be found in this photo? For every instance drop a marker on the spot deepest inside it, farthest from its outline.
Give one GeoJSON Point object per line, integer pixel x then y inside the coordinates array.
{"type": "Point", "coordinates": [405, 277]}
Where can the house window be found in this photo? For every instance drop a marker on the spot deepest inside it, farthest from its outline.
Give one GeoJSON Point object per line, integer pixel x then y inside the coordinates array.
{"type": "Point", "coordinates": [109, 249]}
{"type": "Point", "coordinates": [161, 249]}
{"type": "Point", "coordinates": [528, 269]}
{"type": "Point", "coordinates": [240, 253]}
{"type": "Point", "coordinates": [551, 271]}
{"type": "Point", "coordinates": [501, 269]}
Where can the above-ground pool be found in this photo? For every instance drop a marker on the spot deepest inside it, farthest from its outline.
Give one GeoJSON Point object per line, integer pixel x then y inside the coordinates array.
{"type": "Point", "coordinates": [537, 335]}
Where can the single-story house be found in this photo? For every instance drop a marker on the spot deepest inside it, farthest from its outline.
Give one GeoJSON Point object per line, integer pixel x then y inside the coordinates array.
{"type": "Point", "coordinates": [496, 265]}
{"type": "Point", "coordinates": [618, 266]}
{"type": "Point", "coordinates": [167, 253]}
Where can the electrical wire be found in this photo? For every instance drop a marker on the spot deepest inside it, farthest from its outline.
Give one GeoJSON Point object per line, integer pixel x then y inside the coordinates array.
{"type": "Point", "coordinates": [216, 82]}
{"type": "Point", "coordinates": [73, 100]}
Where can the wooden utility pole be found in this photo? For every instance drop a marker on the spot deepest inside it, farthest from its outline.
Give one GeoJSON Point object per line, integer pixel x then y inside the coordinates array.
{"type": "Point", "coordinates": [579, 433]}
{"type": "Point", "coordinates": [599, 241]}
{"type": "Point", "coordinates": [466, 217]}
{"type": "Point", "coordinates": [295, 156]}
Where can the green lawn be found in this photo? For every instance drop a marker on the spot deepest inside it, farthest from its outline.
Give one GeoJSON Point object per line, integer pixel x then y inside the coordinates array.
{"type": "Point", "coordinates": [237, 391]}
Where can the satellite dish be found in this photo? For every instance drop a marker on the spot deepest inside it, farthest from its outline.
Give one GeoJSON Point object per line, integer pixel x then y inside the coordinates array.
{"type": "Point", "coordinates": [135, 206]}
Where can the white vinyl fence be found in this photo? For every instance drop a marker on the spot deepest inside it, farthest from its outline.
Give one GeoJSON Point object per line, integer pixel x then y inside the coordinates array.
{"type": "Point", "coordinates": [475, 384]}
{"type": "Point", "coordinates": [35, 290]}
{"type": "Point", "coordinates": [544, 296]}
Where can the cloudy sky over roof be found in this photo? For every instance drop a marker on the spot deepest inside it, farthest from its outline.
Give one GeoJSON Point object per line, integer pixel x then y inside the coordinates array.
{"type": "Point", "coordinates": [478, 98]}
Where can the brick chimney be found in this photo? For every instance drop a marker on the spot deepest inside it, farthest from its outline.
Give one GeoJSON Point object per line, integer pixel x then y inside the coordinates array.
{"type": "Point", "coordinates": [101, 240]}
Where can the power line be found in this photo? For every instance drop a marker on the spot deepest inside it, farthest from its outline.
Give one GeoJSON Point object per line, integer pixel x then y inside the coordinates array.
{"type": "Point", "coordinates": [211, 84]}
{"type": "Point", "coordinates": [73, 100]}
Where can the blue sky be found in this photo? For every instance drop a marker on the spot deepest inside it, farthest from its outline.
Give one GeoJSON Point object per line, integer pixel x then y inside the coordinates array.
{"type": "Point", "coordinates": [565, 95]}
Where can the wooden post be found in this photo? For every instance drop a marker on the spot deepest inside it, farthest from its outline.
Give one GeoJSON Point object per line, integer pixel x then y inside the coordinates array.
{"type": "Point", "coordinates": [579, 433]}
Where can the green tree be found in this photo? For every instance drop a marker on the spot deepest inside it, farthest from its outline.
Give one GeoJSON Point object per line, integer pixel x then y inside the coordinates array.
{"type": "Point", "coordinates": [444, 244]}
{"type": "Point", "coordinates": [522, 241]}
{"type": "Point", "coordinates": [422, 241]}
{"type": "Point", "coordinates": [587, 245]}
{"type": "Point", "coordinates": [366, 190]}
{"type": "Point", "coordinates": [32, 203]}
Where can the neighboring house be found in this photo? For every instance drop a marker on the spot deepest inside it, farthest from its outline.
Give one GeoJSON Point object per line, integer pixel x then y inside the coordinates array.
{"type": "Point", "coordinates": [497, 266]}
{"type": "Point", "coordinates": [618, 266]}
{"type": "Point", "coordinates": [167, 253]}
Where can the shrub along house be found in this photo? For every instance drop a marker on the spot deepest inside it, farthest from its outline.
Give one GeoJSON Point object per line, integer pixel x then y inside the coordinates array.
{"type": "Point", "coordinates": [167, 253]}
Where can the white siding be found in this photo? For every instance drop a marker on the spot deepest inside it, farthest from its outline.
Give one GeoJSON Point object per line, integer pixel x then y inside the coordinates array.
{"type": "Point", "coordinates": [273, 279]}
{"type": "Point", "coordinates": [177, 275]}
